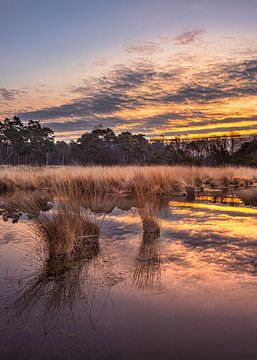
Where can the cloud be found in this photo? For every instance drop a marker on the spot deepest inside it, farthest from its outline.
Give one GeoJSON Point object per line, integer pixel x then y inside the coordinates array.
{"type": "Point", "coordinates": [189, 37]}
{"type": "Point", "coordinates": [110, 99]}
{"type": "Point", "coordinates": [151, 47]}
{"type": "Point", "coordinates": [185, 38]}
{"type": "Point", "coordinates": [196, 122]}
{"type": "Point", "coordinates": [143, 48]}
{"type": "Point", "coordinates": [8, 95]}
{"type": "Point", "coordinates": [85, 124]}
{"type": "Point", "coordinates": [112, 92]}
{"type": "Point", "coordinates": [243, 71]}
{"type": "Point", "coordinates": [100, 62]}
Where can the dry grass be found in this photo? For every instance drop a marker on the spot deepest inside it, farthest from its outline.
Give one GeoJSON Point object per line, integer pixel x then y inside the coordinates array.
{"type": "Point", "coordinates": [13, 205]}
{"type": "Point", "coordinates": [66, 234]}
{"type": "Point", "coordinates": [150, 223]}
{"type": "Point", "coordinates": [118, 179]}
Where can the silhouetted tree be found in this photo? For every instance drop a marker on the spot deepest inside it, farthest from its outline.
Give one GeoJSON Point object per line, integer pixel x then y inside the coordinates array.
{"type": "Point", "coordinates": [33, 143]}
{"type": "Point", "coordinates": [22, 144]}
{"type": "Point", "coordinates": [39, 141]}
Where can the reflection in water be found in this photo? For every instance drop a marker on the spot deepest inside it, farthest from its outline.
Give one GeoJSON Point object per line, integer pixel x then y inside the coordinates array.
{"type": "Point", "coordinates": [222, 235]}
{"type": "Point", "coordinates": [231, 200]}
{"type": "Point", "coordinates": [147, 271]}
{"type": "Point", "coordinates": [55, 291]}
{"type": "Point", "coordinates": [58, 284]}
{"type": "Point", "coordinates": [68, 239]}
{"type": "Point", "coordinates": [79, 292]}
{"type": "Point", "coordinates": [208, 251]}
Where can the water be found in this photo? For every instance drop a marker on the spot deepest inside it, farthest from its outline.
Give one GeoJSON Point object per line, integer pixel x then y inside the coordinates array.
{"type": "Point", "coordinates": [190, 294]}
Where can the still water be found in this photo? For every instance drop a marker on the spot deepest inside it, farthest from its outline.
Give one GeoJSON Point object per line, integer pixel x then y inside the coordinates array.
{"type": "Point", "coordinates": [189, 294]}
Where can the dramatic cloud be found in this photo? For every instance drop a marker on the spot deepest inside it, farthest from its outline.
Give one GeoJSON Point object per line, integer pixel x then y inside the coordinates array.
{"type": "Point", "coordinates": [181, 66]}
{"type": "Point", "coordinates": [244, 71]}
{"type": "Point", "coordinates": [150, 98]}
{"type": "Point", "coordinates": [118, 89]}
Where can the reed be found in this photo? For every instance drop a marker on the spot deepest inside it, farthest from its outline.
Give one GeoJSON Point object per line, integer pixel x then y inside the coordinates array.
{"type": "Point", "coordinates": [13, 205]}
{"type": "Point", "coordinates": [147, 270]}
{"type": "Point", "coordinates": [67, 234]}
{"type": "Point", "coordinates": [117, 179]}
{"type": "Point", "coordinates": [148, 263]}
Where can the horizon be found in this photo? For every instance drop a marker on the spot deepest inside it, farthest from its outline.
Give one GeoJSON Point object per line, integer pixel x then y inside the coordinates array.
{"type": "Point", "coordinates": [158, 69]}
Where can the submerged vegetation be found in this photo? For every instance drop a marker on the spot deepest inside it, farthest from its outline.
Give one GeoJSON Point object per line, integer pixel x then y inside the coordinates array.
{"type": "Point", "coordinates": [68, 234]}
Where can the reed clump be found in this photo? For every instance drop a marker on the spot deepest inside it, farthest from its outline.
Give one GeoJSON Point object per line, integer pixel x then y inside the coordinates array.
{"type": "Point", "coordinates": [150, 223]}
{"type": "Point", "coordinates": [148, 205]}
{"type": "Point", "coordinates": [147, 272]}
{"type": "Point", "coordinates": [67, 235]}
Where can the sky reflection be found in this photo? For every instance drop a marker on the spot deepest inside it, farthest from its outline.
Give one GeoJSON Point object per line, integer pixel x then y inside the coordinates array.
{"type": "Point", "coordinates": [200, 271]}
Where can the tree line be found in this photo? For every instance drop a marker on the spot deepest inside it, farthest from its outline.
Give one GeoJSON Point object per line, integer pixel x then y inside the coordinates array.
{"type": "Point", "coordinates": [34, 144]}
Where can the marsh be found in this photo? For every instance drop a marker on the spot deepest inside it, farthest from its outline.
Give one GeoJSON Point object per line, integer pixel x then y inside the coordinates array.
{"type": "Point", "coordinates": [127, 276]}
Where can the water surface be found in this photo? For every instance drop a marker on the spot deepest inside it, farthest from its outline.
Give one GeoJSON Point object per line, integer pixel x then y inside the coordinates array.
{"type": "Point", "coordinates": [188, 294]}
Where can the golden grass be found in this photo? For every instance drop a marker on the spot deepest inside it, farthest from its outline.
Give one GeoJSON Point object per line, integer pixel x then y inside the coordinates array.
{"type": "Point", "coordinates": [66, 234]}
{"type": "Point", "coordinates": [30, 202]}
{"type": "Point", "coordinates": [123, 179]}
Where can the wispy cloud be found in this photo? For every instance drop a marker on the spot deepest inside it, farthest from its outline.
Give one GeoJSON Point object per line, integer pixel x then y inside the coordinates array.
{"type": "Point", "coordinates": [100, 62]}
{"type": "Point", "coordinates": [187, 37]}
{"type": "Point", "coordinates": [143, 47]}
{"type": "Point", "coordinates": [9, 95]}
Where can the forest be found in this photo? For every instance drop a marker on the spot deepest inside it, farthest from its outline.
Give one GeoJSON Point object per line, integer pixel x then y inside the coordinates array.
{"type": "Point", "coordinates": [32, 143]}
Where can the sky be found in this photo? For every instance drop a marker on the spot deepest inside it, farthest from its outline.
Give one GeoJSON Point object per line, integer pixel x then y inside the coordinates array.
{"type": "Point", "coordinates": [157, 67]}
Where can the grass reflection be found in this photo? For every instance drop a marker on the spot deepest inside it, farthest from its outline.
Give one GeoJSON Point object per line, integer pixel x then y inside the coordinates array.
{"type": "Point", "coordinates": [147, 271]}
